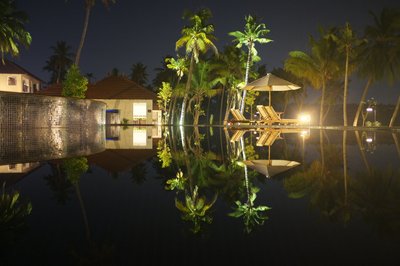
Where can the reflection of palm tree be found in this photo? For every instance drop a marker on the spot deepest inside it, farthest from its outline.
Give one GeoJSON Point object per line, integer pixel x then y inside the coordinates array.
{"type": "Point", "coordinates": [74, 168]}
{"type": "Point", "coordinates": [59, 184]}
{"type": "Point", "coordinates": [12, 210]}
{"type": "Point", "coordinates": [97, 254]}
{"type": "Point", "coordinates": [377, 197]}
{"type": "Point", "coordinates": [252, 215]}
{"type": "Point", "coordinates": [195, 209]}
{"type": "Point", "coordinates": [139, 173]}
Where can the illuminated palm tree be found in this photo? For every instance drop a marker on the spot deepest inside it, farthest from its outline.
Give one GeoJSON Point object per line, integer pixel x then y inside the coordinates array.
{"type": "Point", "coordinates": [88, 8]}
{"type": "Point", "coordinates": [196, 38]}
{"type": "Point", "coordinates": [379, 54]}
{"type": "Point", "coordinates": [59, 61]}
{"type": "Point", "coordinates": [202, 86]}
{"type": "Point", "coordinates": [180, 68]}
{"type": "Point", "coordinates": [253, 33]}
{"type": "Point", "coordinates": [12, 29]}
{"type": "Point", "coordinates": [318, 67]}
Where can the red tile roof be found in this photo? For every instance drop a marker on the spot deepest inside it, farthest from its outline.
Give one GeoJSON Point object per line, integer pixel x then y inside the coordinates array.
{"type": "Point", "coordinates": [112, 87]}
{"type": "Point", "coordinates": [12, 68]}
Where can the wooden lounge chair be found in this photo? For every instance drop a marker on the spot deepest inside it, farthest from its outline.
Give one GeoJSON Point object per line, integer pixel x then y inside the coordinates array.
{"type": "Point", "coordinates": [237, 135]}
{"type": "Point", "coordinates": [276, 118]}
{"type": "Point", "coordinates": [268, 137]}
{"type": "Point", "coordinates": [264, 116]}
{"type": "Point", "coordinates": [238, 117]}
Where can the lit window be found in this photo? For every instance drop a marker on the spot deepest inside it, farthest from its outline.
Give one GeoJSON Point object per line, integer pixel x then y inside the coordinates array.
{"type": "Point", "coordinates": [139, 110]}
{"type": "Point", "coordinates": [139, 137]}
{"type": "Point", "coordinates": [12, 81]}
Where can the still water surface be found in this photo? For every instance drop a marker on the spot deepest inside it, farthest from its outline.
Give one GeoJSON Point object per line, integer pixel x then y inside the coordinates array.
{"type": "Point", "coordinates": [219, 197]}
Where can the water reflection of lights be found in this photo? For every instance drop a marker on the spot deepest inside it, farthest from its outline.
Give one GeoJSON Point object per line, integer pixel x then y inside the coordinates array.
{"type": "Point", "coordinates": [305, 134]}
{"type": "Point", "coordinates": [369, 141]}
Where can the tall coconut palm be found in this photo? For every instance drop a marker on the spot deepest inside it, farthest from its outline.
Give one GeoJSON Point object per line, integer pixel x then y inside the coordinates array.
{"type": "Point", "coordinates": [253, 33]}
{"type": "Point", "coordinates": [196, 38]}
{"type": "Point", "coordinates": [139, 73]}
{"type": "Point", "coordinates": [318, 67]}
{"type": "Point", "coordinates": [59, 61]}
{"type": "Point", "coordinates": [180, 68]}
{"type": "Point", "coordinates": [379, 55]}
{"type": "Point", "coordinates": [347, 41]}
{"type": "Point", "coordinates": [12, 29]}
{"type": "Point", "coordinates": [89, 4]}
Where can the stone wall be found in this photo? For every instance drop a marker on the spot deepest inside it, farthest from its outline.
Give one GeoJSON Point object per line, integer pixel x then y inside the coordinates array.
{"type": "Point", "coordinates": [38, 128]}
{"type": "Point", "coordinates": [23, 110]}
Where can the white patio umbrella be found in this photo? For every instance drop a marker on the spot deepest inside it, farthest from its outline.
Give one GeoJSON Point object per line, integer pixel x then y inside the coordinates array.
{"type": "Point", "coordinates": [270, 168]}
{"type": "Point", "coordinates": [271, 83]}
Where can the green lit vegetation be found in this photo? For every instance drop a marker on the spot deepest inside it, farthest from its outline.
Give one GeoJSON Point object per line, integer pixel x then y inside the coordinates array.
{"type": "Point", "coordinates": [75, 84]}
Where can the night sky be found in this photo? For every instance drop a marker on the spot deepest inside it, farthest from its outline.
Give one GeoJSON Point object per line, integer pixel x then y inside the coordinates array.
{"type": "Point", "coordinates": [146, 31]}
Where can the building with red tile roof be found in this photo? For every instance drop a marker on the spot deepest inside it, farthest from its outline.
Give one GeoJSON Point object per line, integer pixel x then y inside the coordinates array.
{"type": "Point", "coordinates": [127, 101]}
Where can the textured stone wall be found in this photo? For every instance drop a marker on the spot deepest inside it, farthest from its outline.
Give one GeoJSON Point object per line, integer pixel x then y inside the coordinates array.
{"type": "Point", "coordinates": [20, 110]}
{"type": "Point", "coordinates": [37, 128]}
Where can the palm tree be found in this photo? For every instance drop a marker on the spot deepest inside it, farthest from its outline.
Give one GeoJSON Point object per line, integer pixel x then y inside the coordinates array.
{"type": "Point", "coordinates": [197, 38]}
{"type": "Point", "coordinates": [347, 41]}
{"type": "Point", "coordinates": [59, 61]}
{"type": "Point", "coordinates": [88, 8]}
{"type": "Point", "coordinates": [203, 86]}
{"type": "Point", "coordinates": [230, 67]}
{"type": "Point", "coordinates": [139, 73]}
{"type": "Point", "coordinates": [379, 53]}
{"type": "Point", "coordinates": [253, 33]}
{"type": "Point", "coordinates": [318, 68]}
{"type": "Point", "coordinates": [180, 67]}
{"type": "Point", "coordinates": [12, 29]}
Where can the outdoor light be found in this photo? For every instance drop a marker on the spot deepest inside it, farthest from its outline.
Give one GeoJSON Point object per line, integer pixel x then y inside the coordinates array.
{"type": "Point", "coordinates": [305, 118]}
{"type": "Point", "coordinates": [369, 109]}
{"type": "Point", "coordinates": [369, 140]}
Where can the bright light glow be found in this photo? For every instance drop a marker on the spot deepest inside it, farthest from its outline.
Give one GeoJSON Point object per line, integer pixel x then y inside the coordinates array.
{"type": "Point", "coordinates": [305, 134]}
{"type": "Point", "coordinates": [305, 118]}
{"type": "Point", "coordinates": [139, 137]}
{"type": "Point", "coordinates": [369, 140]}
{"type": "Point", "coordinates": [369, 109]}
{"type": "Point", "coordinates": [139, 110]}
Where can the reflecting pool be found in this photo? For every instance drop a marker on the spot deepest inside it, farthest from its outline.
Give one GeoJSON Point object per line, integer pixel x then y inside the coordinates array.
{"type": "Point", "coordinates": [202, 196]}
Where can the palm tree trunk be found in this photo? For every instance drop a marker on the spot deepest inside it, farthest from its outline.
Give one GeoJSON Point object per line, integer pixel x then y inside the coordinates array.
{"type": "Point", "coordinates": [246, 78]}
{"type": "Point", "coordinates": [345, 164]}
{"type": "Point", "coordinates": [395, 113]}
{"type": "Point", "coordinates": [362, 100]}
{"type": "Point", "coordinates": [83, 36]}
{"type": "Point", "coordinates": [321, 109]}
{"type": "Point", "coordinates": [208, 110]}
{"type": "Point", "coordinates": [346, 74]}
{"type": "Point", "coordinates": [364, 158]}
{"type": "Point", "coordinates": [58, 74]}
{"type": "Point", "coordinates": [187, 89]}
{"type": "Point", "coordinates": [221, 105]}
